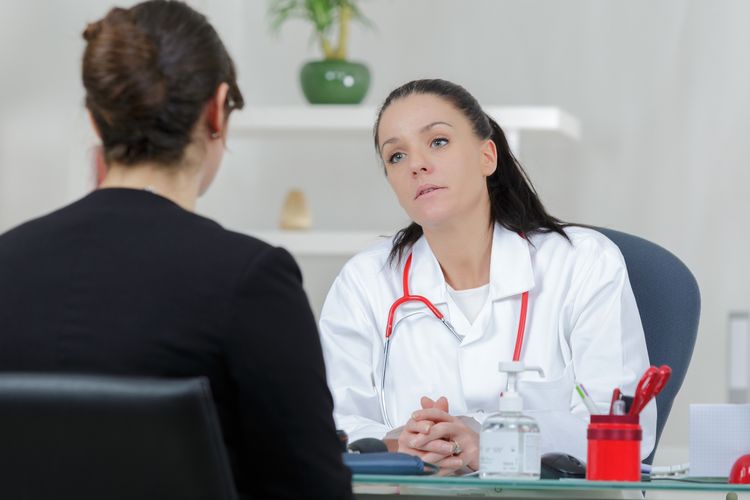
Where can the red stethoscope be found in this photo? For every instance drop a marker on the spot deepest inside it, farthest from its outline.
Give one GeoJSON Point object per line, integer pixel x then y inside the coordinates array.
{"type": "Point", "coordinates": [407, 297]}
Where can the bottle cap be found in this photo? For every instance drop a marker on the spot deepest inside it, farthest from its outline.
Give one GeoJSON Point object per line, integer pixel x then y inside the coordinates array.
{"type": "Point", "coordinates": [511, 402]}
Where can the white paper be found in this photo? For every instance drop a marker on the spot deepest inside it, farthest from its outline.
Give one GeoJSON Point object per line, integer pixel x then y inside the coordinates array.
{"type": "Point", "coordinates": [719, 435]}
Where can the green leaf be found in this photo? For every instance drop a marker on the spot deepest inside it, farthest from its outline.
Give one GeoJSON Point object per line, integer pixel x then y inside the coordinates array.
{"type": "Point", "coordinates": [321, 14]}
{"type": "Point", "coordinates": [282, 10]}
{"type": "Point", "coordinates": [359, 16]}
{"type": "Point", "coordinates": [324, 15]}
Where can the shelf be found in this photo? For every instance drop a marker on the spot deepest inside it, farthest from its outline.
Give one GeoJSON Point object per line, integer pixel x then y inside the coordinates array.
{"type": "Point", "coordinates": [513, 119]}
{"type": "Point", "coordinates": [275, 120]}
{"type": "Point", "coordinates": [321, 243]}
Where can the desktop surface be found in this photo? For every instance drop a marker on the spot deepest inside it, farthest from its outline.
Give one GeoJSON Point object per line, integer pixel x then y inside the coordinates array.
{"type": "Point", "coordinates": [473, 486]}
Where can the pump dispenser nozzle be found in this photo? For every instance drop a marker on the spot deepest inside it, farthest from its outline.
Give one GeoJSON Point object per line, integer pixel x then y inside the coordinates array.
{"type": "Point", "coordinates": [510, 400]}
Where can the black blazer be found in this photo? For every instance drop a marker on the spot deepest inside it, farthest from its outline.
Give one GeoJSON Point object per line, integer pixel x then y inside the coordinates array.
{"type": "Point", "coordinates": [126, 282]}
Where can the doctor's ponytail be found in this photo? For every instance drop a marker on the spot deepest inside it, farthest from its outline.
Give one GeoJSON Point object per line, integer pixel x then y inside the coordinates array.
{"type": "Point", "coordinates": [514, 204]}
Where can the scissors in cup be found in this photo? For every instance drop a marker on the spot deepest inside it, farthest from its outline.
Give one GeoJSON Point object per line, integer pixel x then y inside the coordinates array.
{"type": "Point", "coordinates": [651, 384]}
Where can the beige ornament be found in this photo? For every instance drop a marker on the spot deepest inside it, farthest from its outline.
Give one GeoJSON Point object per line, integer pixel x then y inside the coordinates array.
{"type": "Point", "coordinates": [295, 214]}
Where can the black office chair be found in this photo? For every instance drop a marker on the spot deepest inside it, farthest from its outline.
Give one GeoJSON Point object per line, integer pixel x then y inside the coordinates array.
{"type": "Point", "coordinates": [76, 437]}
{"type": "Point", "coordinates": [669, 303]}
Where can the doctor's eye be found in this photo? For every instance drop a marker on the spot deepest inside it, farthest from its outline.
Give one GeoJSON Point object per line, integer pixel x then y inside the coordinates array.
{"type": "Point", "coordinates": [439, 142]}
{"type": "Point", "coordinates": [395, 158]}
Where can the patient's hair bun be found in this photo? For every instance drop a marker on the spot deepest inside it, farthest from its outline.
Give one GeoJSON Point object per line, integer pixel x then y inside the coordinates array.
{"type": "Point", "coordinates": [148, 72]}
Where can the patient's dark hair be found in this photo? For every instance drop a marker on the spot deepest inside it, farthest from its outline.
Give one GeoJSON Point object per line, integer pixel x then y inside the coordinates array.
{"type": "Point", "coordinates": [514, 203]}
{"type": "Point", "coordinates": [148, 72]}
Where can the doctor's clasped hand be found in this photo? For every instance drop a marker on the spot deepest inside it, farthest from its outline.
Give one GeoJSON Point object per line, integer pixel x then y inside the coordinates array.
{"type": "Point", "coordinates": [437, 437]}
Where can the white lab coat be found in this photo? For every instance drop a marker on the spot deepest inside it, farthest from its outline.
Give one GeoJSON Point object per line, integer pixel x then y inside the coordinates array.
{"type": "Point", "coordinates": [583, 326]}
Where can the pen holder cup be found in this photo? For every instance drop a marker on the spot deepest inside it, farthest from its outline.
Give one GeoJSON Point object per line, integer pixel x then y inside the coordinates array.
{"type": "Point", "coordinates": [614, 448]}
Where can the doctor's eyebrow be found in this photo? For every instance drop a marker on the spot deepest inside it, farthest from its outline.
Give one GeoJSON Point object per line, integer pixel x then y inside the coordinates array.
{"type": "Point", "coordinates": [421, 131]}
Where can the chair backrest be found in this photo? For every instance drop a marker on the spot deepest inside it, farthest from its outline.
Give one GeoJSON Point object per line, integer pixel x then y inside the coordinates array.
{"type": "Point", "coordinates": [76, 437]}
{"type": "Point", "coordinates": [669, 303]}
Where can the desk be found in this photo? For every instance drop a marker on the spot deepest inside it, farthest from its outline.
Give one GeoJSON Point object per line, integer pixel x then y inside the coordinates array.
{"type": "Point", "coordinates": [376, 487]}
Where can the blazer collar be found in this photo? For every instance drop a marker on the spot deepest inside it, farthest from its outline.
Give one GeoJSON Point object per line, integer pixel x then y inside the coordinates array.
{"type": "Point", "coordinates": [511, 272]}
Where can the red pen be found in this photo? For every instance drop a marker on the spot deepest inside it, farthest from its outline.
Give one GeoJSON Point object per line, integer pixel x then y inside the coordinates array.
{"type": "Point", "coordinates": [615, 396]}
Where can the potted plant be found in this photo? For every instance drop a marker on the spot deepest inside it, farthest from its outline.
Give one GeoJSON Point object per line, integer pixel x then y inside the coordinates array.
{"type": "Point", "coordinates": [334, 79]}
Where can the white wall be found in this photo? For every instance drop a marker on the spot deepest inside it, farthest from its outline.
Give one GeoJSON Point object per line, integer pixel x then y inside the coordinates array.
{"type": "Point", "coordinates": [662, 90]}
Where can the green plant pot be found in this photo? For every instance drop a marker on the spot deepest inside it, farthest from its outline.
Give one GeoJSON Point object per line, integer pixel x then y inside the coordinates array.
{"type": "Point", "coordinates": [334, 81]}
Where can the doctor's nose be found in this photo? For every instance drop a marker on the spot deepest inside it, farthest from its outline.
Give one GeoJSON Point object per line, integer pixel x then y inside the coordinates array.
{"type": "Point", "coordinates": [420, 165]}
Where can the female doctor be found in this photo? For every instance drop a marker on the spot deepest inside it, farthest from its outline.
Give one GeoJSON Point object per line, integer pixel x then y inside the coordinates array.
{"type": "Point", "coordinates": [505, 275]}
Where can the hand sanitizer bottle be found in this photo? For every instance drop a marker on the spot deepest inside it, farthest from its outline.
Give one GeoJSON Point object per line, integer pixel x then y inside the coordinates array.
{"type": "Point", "coordinates": [509, 441]}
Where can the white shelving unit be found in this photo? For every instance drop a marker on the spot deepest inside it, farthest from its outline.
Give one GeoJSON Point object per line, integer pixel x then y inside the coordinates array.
{"type": "Point", "coordinates": [276, 120]}
{"type": "Point", "coordinates": [286, 119]}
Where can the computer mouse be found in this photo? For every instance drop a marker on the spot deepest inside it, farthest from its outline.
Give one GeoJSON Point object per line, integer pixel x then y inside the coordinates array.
{"type": "Point", "coordinates": [367, 445]}
{"type": "Point", "coordinates": [562, 465]}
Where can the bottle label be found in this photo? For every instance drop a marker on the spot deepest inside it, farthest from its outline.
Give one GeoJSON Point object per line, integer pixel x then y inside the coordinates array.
{"type": "Point", "coordinates": [499, 452]}
{"type": "Point", "coordinates": [532, 463]}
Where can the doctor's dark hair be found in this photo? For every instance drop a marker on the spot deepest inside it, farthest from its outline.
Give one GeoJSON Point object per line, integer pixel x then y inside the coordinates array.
{"type": "Point", "coordinates": [514, 203]}
{"type": "Point", "coordinates": [148, 72]}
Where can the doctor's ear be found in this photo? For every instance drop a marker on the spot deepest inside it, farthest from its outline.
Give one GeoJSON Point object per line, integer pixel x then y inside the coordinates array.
{"type": "Point", "coordinates": [489, 157]}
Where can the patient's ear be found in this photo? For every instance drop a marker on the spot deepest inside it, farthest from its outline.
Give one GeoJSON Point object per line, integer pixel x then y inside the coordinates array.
{"type": "Point", "coordinates": [215, 110]}
{"type": "Point", "coordinates": [93, 123]}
